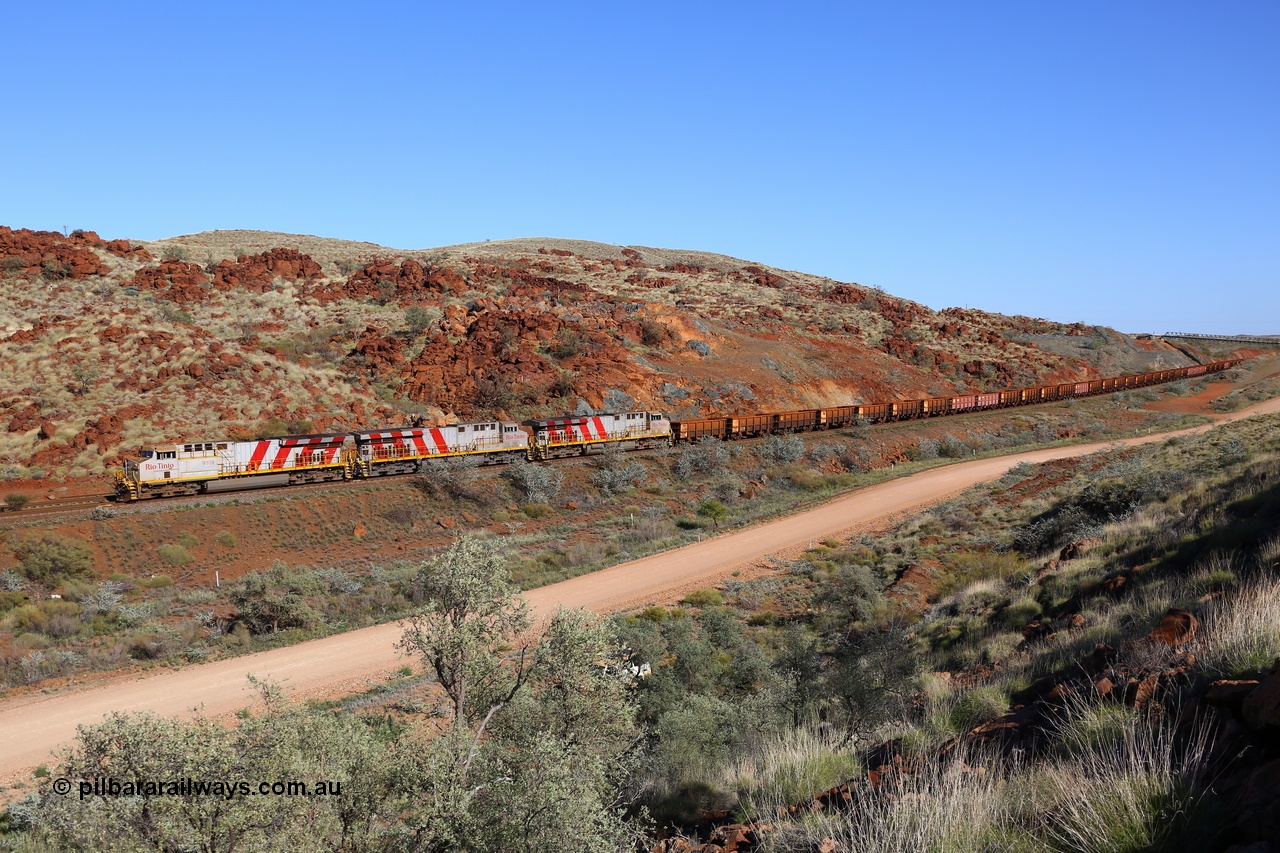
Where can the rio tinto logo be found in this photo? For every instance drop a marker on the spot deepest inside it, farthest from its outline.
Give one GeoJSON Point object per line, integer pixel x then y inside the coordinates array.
{"type": "Point", "coordinates": [158, 466]}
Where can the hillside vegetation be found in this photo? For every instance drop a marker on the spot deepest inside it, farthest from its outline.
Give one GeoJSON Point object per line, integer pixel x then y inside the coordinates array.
{"type": "Point", "coordinates": [112, 344]}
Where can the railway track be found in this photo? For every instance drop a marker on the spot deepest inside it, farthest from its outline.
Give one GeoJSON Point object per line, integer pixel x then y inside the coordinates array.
{"type": "Point", "coordinates": [728, 428]}
{"type": "Point", "coordinates": [49, 507]}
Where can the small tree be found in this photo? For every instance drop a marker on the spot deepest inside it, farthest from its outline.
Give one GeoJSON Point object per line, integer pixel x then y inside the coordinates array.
{"type": "Point", "coordinates": [15, 502]}
{"type": "Point", "coordinates": [284, 744]}
{"type": "Point", "coordinates": [713, 510]}
{"type": "Point", "coordinates": [84, 375]}
{"type": "Point", "coordinates": [473, 611]}
{"type": "Point", "coordinates": [799, 663]}
{"type": "Point", "coordinates": [537, 748]}
{"type": "Point", "coordinates": [873, 680]}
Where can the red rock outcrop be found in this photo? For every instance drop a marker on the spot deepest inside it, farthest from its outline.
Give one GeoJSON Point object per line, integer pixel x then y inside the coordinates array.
{"type": "Point", "coordinates": [125, 249]}
{"type": "Point", "coordinates": [846, 294]}
{"type": "Point", "coordinates": [105, 431]}
{"type": "Point", "coordinates": [25, 418]}
{"type": "Point", "coordinates": [179, 282]}
{"type": "Point", "coordinates": [257, 272]}
{"type": "Point", "coordinates": [489, 357]}
{"type": "Point", "coordinates": [389, 281]}
{"type": "Point", "coordinates": [48, 254]}
{"type": "Point", "coordinates": [1261, 708]}
{"type": "Point", "coordinates": [376, 353]}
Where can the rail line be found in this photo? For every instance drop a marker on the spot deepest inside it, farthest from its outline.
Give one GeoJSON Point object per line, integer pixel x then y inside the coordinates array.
{"type": "Point", "coordinates": [203, 467]}
{"type": "Point", "coordinates": [753, 426]}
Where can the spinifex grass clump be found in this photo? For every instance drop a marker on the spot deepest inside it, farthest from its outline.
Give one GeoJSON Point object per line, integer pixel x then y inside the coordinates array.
{"type": "Point", "coordinates": [1242, 629]}
{"type": "Point", "coordinates": [1118, 781]}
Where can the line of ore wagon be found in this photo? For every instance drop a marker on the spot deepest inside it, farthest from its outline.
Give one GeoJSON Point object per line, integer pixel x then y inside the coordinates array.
{"type": "Point", "coordinates": [191, 468]}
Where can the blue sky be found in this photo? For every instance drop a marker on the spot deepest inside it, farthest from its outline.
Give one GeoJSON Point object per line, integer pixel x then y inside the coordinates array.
{"type": "Point", "coordinates": [1106, 162]}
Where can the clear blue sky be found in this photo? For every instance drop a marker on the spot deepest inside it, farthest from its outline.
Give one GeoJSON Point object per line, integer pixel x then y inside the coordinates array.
{"type": "Point", "coordinates": [1111, 162]}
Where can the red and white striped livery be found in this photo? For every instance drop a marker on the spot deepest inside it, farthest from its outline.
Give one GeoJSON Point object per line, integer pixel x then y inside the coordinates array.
{"type": "Point", "coordinates": [400, 450]}
{"type": "Point", "coordinates": [577, 435]}
{"type": "Point", "coordinates": [171, 470]}
{"type": "Point", "coordinates": [168, 470]}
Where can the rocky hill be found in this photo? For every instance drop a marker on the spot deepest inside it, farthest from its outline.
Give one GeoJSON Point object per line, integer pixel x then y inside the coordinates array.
{"type": "Point", "coordinates": [111, 344]}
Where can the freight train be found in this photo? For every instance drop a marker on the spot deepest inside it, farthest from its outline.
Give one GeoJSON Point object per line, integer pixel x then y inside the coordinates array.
{"type": "Point", "coordinates": [200, 467]}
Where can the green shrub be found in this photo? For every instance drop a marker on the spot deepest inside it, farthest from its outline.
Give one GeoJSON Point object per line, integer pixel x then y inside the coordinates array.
{"type": "Point", "coordinates": [186, 540]}
{"type": "Point", "coordinates": [708, 456]}
{"type": "Point", "coordinates": [780, 450]}
{"type": "Point", "coordinates": [50, 558]}
{"type": "Point", "coordinates": [419, 319]}
{"type": "Point", "coordinates": [176, 555]}
{"type": "Point", "coordinates": [537, 510]}
{"type": "Point", "coordinates": [16, 502]}
{"type": "Point", "coordinates": [157, 581]}
{"type": "Point", "coordinates": [271, 428]}
{"type": "Point", "coordinates": [568, 343]}
{"type": "Point", "coordinates": [703, 598]}
{"type": "Point", "coordinates": [226, 539]}
{"type": "Point", "coordinates": [50, 618]}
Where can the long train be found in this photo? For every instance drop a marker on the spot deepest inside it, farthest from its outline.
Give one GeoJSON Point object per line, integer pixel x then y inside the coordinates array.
{"type": "Point", "coordinates": [176, 470]}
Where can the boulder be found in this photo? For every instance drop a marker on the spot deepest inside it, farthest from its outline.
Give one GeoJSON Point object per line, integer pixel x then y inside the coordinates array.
{"type": "Point", "coordinates": [1258, 811]}
{"type": "Point", "coordinates": [1229, 694]}
{"type": "Point", "coordinates": [1261, 708]}
{"type": "Point", "coordinates": [1078, 549]}
{"type": "Point", "coordinates": [1177, 628]}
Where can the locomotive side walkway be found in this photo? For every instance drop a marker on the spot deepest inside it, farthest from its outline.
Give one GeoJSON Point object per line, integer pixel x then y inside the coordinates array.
{"type": "Point", "coordinates": [33, 726]}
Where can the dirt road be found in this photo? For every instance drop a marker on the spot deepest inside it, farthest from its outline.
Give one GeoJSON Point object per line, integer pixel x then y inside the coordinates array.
{"type": "Point", "coordinates": [32, 726]}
